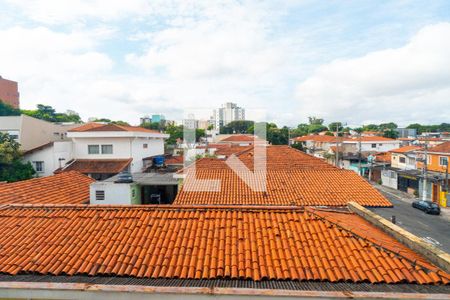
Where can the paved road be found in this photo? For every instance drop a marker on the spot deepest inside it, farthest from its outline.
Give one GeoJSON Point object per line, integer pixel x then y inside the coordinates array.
{"type": "Point", "coordinates": [433, 229]}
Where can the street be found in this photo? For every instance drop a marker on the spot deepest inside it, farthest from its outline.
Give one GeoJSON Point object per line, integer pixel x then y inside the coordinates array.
{"type": "Point", "coordinates": [432, 229]}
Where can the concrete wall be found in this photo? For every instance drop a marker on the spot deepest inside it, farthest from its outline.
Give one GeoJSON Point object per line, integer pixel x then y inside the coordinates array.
{"type": "Point", "coordinates": [389, 178]}
{"type": "Point", "coordinates": [409, 164]}
{"type": "Point", "coordinates": [50, 155]}
{"type": "Point", "coordinates": [123, 147]}
{"type": "Point", "coordinates": [119, 194]}
{"type": "Point", "coordinates": [353, 147]}
{"type": "Point", "coordinates": [33, 132]}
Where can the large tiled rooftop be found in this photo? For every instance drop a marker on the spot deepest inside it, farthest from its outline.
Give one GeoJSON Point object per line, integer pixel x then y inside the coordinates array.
{"type": "Point", "coordinates": [205, 243]}
{"type": "Point", "coordinates": [65, 188]}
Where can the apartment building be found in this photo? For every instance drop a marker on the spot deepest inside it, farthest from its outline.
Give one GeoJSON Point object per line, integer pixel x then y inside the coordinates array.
{"type": "Point", "coordinates": [9, 92]}
{"type": "Point", "coordinates": [31, 132]}
{"type": "Point", "coordinates": [228, 113]}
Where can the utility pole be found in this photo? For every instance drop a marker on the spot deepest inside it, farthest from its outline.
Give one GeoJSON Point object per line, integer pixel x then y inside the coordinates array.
{"type": "Point", "coordinates": [359, 153]}
{"type": "Point", "coordinates": [425, 173]}
{"type": "Point", "coordinates": [337, 146]}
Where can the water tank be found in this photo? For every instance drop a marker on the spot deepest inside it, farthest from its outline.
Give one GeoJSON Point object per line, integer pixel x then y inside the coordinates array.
{"type": "Point", "coordinates": [158, 161]}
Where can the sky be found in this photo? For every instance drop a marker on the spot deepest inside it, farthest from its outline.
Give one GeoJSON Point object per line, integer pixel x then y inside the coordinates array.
{"type": "Point", "coordinates": [358, 62]}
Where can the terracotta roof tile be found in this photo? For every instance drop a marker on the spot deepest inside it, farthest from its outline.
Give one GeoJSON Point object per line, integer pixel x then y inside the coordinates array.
{"type": "Point", "coordinates": [70, 187]}
{"type": "Point", "coordinates": [97, 166]}
{"type": "Point", "coordinates": [292, 178]}
{"type": "Point", "coordinates": [316, 138]}
{"type": "Point", "coordinates": [205, 243]}
{"type": "Point", "coordinates": [240, 138]}
{"type": "Point", "coordinates": [109, 127]}
{"type": "Point", "coordinates": [441, 148]}
{"type": "Point", "coordinates": [406, 149]}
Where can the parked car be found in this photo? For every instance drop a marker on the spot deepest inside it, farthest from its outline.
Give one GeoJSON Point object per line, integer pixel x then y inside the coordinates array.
{"type": "Point", "coordinates": [427, 206]}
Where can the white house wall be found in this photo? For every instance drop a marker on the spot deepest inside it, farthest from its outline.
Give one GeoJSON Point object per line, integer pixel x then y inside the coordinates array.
{"type": "Point", "coordinates": [115, 194]}
{"type": "Point", "coordinates": [121, 148]}
{"type": "Point", "coordinates": [154, 147]}
{"type": "Point", "coordinates": [50, 156]}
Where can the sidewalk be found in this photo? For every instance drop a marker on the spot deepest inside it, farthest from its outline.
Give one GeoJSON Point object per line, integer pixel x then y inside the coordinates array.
{"type": "Point", "coordinates": [408, 198]}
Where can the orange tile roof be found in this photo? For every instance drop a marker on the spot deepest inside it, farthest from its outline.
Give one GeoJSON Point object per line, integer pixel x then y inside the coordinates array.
{"type": "Point", "coordinates": [97, 166]}
{"type": "Point", "coordinates": [369, 139]}
{"type": "Point", "coordinates": [406, 149]}
{"type": "Point", "coordinates": [109, 127]}
{"type": "Point", "coordinates": [383, 157]}
{"type": "Point", "coordinates": [441, 148]}
{"type": "Point", "coordinates": [240, 138]}
{"type": "Point", "coordinates": [307, 187]}
{"type": "Point", "coordinates": [293, 178]}
{"type": "Point", "coordinates": [316, 138]}
{"type": "Point", "coordinates": [70, 187]}
{"type": "Point", "coordinates": [205, 243]}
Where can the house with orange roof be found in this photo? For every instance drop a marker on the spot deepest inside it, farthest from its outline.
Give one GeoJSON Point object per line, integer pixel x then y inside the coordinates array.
{"type": "Point", "coordinates": [65, 188]}
{"type": "Point", "coordinates": [205, 252]}
{"type": "Point", "coordinates": [434, 162]}
{"type": "Point", "coordinates": [402, 174]}
{"type": "Point", "coordinates": [103, 150]}
{"type": "Point", "coordinates": [292, 178]}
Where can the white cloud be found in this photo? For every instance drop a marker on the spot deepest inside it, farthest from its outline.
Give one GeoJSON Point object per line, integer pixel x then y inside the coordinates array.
{"type": "Point", "coordinates": [407, 84]}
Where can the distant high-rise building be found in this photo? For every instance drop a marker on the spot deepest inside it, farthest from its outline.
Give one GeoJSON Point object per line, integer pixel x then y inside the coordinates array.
{"type": "Point", "coordinates": [158, 118]}
{"type": "Point", "coordinates": [9, 92]}
{"type": "Point", "coordinates": [229, 112]}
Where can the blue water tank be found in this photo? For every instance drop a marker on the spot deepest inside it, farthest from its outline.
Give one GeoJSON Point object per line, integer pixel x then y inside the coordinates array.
{"type": "Point", "coordinates": [158, 161]}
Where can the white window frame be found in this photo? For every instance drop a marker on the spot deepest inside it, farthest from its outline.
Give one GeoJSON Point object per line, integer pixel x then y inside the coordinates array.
{"type": "Point", "coordinates": [112, 149]}
{"type": "Point", "coordinates": [42, 168]}
{"type": "Point", "coordinates": [98, 149]}
{"type": "Point", "coordinates": [441, 157]}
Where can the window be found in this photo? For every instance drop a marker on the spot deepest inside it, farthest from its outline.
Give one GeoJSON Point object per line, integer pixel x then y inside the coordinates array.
{"type": "Point", "coordinates": [380, 145]}
{"type": "Point", "coordinates": [93, 149]}
{"type": "Point", "coordinates": [374, 145]}
{"type": "Point", "coordinates": [107, 149]}
{"type": "Point", "coordinates": [443, 160]}
{"type": "Point", "coordinates": [145, 146]}
{"type": "Point", "coordinates": [428, 160]}
{"type": "Point", "coordinates": [99, 195]}
{"type": "Point", "coordinates": [39, 166]}
{"type": "Point", "coordinates": [402, 160]}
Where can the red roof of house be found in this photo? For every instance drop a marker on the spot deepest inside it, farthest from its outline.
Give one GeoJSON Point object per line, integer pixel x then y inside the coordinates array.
{"type": "Point", "coordinates": [441, 148]}
{"type": "Point", "coordinates": [109, 127]}
{"type": "Point", "coordinates": [70, 187]}
{"type": "Point", "coordinates": [240, 138]}
{"type": "Point", "coordinates": [316, 138]}
{"type": "Point", "coordinates": [369, 139]}
{"type": "Point", "coordinates": [205, 243]}
{"type": "Point", "coordinates": [406, 149]}
{"type": "Point", "coordinates": [293, 178]}
{"type": "Point", "coordinates": [383, 157]}
{"type": "Point", "coordinates": [97, 166]}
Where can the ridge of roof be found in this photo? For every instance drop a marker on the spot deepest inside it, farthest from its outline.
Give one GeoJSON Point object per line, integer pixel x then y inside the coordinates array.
{"type": "Point", "coordinates": [93, 126]}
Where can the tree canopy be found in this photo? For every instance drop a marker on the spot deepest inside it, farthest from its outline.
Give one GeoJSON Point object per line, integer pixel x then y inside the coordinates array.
{"type": "Point", "coordinates": [7, 110]}
{"type": "Point", "coordinates": [11, 167]}
{"type": "Point", "coordinates": [48, 113]}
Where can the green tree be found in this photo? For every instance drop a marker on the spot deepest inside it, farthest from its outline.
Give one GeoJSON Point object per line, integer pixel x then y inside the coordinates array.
{"type": "Point", "coordinates": [370, 127]}
{"type": "Point", "coordinates": [11, 167]}
{"type": "Point", "coordinates": [335, 126]}
{"type": "Point", "coordinates": [387, 126]}
{"type": "Point", "coordinates": [315, 121]}
{"type": "Point", "coordinates": [48, 113]}
{"type": "Point", "coordinates": [7, 110]}
{"type": "Point", "coordinates": [241, 126]}
{"type": "Point", "coordinates": [390, 133]}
